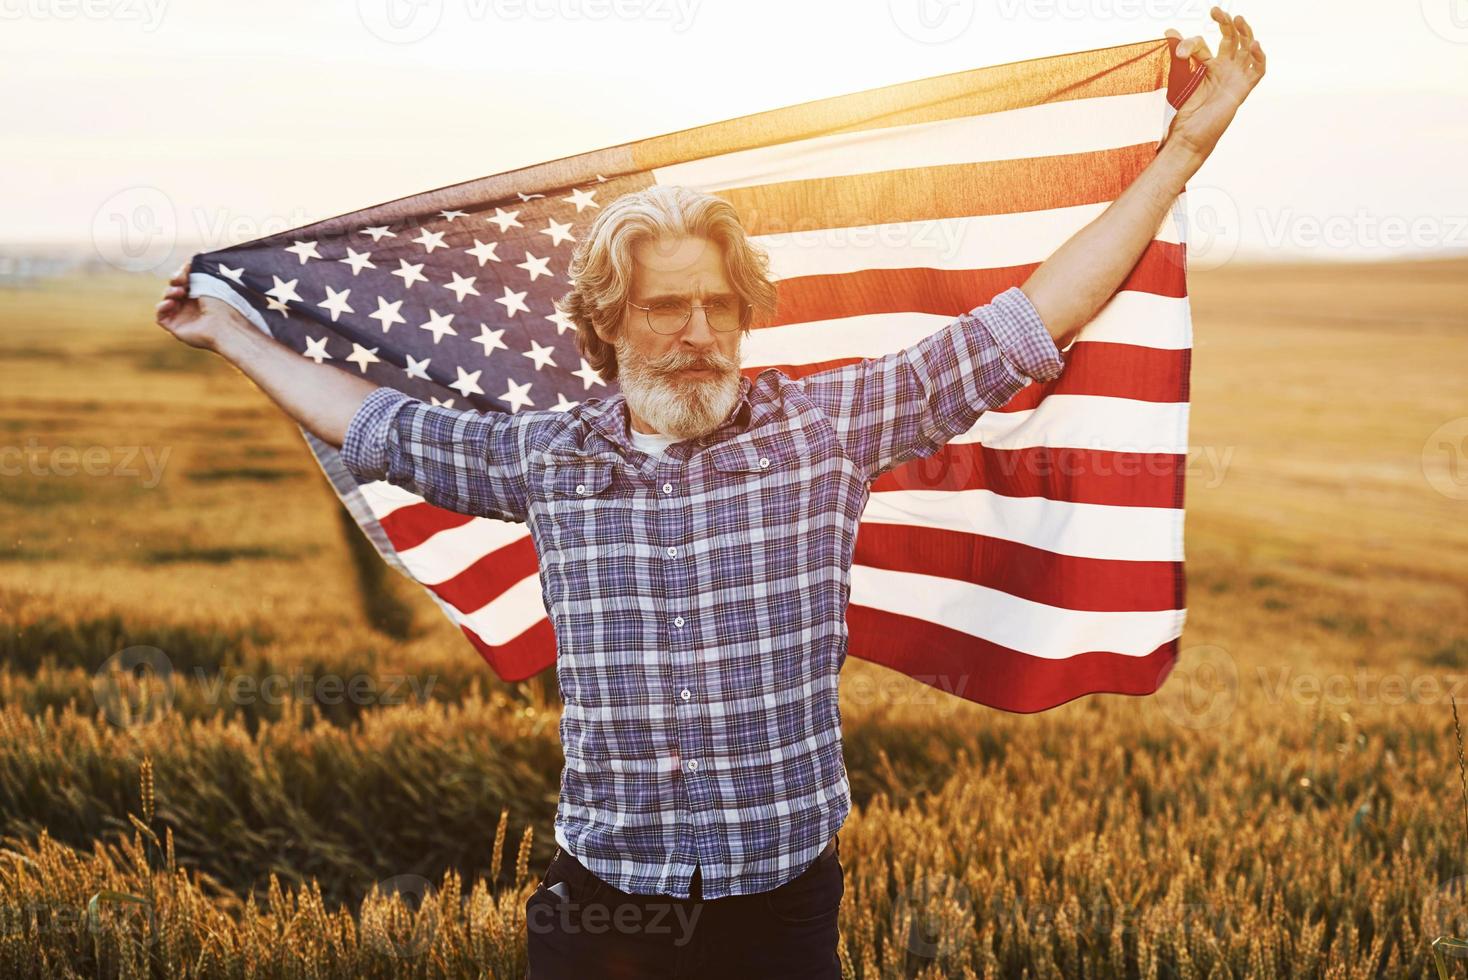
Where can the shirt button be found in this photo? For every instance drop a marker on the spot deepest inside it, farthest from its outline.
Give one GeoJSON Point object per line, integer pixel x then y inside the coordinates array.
{"type": "Point", "coordinates": [678, 621]}
{"type": "Point", "coordinates": [580, 488]}
{"type": "Point", "coordinates": [685, 694]}
{"type": "Point", "coordinates": [763, 461]}
{"type": "Point", "coordinates": [672, 552]}
{"type": "Point", "coordinates": [692, 765]}
{"type": "Point", "coordinates": [667, 488]}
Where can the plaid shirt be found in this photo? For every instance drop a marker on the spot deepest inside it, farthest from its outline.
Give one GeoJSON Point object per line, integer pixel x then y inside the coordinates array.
{"type": "Point", "coordinates": [699, 597]}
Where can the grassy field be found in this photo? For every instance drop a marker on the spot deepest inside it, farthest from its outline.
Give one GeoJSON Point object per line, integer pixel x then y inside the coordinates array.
{"type": "Point", "coordinates": [1290, 805]}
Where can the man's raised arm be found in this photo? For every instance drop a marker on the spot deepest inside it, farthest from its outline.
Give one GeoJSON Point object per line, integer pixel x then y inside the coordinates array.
{"type": "Point", "coordinates": [320, 397]}
{"type": "Point", "coordinates": [465, 461]}
{"type": "Point", "coordinates": [1074, 283]}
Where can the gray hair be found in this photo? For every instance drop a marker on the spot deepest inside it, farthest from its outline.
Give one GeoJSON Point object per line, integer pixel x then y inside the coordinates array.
{"type": "Point", "coordinates": [602, 264]}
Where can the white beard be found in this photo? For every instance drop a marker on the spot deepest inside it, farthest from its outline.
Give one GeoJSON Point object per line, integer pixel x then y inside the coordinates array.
{"type": "Point", "coordinates": [674, 403]}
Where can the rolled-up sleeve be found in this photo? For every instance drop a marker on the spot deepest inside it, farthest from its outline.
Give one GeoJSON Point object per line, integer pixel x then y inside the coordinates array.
{"type": "Point", "coordinates": [465, 461]}
{"type": "Point", "coordinates": [908, 404]}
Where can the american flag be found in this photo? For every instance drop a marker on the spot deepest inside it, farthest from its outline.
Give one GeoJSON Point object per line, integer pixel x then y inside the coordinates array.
{"type": "Point", "coordinates": [1035, 559]}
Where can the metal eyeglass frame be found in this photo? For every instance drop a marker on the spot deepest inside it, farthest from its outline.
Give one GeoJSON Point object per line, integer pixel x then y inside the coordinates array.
{"type": "Point", "coordinates": [647, 316]}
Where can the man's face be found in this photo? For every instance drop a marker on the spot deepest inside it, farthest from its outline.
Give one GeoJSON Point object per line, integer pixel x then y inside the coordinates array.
{"type": "Point", "coordinates": [681, 384]}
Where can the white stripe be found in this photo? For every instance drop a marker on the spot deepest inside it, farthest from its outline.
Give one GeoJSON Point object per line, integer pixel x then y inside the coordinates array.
{"type": "Point", "coordinates": [1120, 425]}
{"type": "Point", "coordinates": [1059, 526]}
{"type": "Point", "coordinates": [452, 550]}
{"type": "Point", "coordinates": [1049, 129]}
{"type": "Point", "coordinates": [507, 615]}
{"type": "Point", "coordinates": [384, 497]}
{"type": "Point", "coordinates": [985, 241]}
{"type": "Point", "coordinates": [1131, 317]}
{"type": "Point", "coordinates": [1034, 628]}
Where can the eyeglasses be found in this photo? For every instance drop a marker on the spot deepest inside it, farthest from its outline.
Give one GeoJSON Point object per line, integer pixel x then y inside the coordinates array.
{"type": "Point", "coordinates": [672, 315]}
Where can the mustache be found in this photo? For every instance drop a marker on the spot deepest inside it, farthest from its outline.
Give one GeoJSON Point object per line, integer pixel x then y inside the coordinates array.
{"type": "Point", "coordinates": [678, 362]}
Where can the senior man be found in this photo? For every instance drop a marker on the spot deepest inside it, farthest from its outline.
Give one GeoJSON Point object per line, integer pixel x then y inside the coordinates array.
{"type": "Point", "coordinates": [695, 536]}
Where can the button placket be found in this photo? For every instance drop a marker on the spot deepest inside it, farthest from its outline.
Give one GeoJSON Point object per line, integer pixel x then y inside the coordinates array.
{"type": "Point", "coordinates": [672, 524]}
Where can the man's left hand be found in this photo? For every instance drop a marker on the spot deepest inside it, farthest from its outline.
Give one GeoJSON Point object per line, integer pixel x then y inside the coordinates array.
{"type": "Point", "coordinates": [1231, 76]}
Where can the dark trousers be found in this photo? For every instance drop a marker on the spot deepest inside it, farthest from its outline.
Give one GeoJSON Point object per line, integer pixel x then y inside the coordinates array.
{"type": "Point", "coordinates": [598, 931]}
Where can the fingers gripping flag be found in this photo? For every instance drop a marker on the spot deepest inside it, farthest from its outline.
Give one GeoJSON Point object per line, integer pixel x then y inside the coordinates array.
{"type": "Point", "coordinates": [1034, 559]}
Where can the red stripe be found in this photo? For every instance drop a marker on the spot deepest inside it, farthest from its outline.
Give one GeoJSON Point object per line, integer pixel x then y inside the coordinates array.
{"type": "Point", "coordinates": [985, 672]}
{"type": "Point", "coordinates": [1073, 474]}
{"type": "Point", "coordinates": [489, 576]}
{"type": "Point", "coordinates": [1064, 581]}
{"type": "Point", "coordinates": [946, 292]}
{"type": "Point", "coordinates": [525, 656]}
{"type": "Point", "coordinates": [1149, 374]}
{"type": "Point", "coordinates": [411, 525]}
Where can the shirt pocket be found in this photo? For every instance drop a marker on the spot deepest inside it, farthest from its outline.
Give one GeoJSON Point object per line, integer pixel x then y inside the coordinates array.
{"type": "Point", "coordinates": [589, 514]}
{"type": "Point", "coordinates": [756, 482]}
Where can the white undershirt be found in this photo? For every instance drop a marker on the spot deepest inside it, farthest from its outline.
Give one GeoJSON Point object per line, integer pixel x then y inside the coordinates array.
{"type": "Point", "coordinates": [651, 443]}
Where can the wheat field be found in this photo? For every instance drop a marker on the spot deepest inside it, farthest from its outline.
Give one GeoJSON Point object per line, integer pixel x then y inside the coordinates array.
{"type": "Point", "coordinates": [319, 778]}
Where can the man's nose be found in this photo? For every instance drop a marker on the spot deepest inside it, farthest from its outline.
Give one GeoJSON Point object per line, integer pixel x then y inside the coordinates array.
{"type": "Point", "coordinates": [697, 328]}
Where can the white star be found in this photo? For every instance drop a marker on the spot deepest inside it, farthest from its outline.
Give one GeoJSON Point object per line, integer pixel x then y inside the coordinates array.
{"type": "Point", "coordinates": [410, 273]}
{"type": "Point", "coordinates": [378, 233]}
{"type": "Point", "coordinates": [562, 321]}
{"type": "Point", "coordinates": [304, 251]}
{"type": "Point", "coordinates": [490, 339]}
{"type": "Point", "coordinates": [430, 240]}
{"type": "Point", "coordinates": [336, 303]}
{"type": "Point", "coordinates": [484, 252]}
{"type": "Point", "coordinates": [388, 313]}
{"type": "Point", "coordinates": [513, 301]}
{"type": "Point", "coordinates": [234, 275]}
{"type": "Point", "coordinates": [358, 260]}
{"type": "Point", "coordinates": [582, 199]}
{"type": "Point", "coordinates": [517, 395]}
{"type": "Point", "coordinates": [558, 231]}
{"type": "Point", "coordinates": [448, 403]}
{"type": "Point", "coordinates": [417, 368]}
{"type": "Point", "coordinates": [529, 197]}
{"type": "Point", "coordinates": [563, 405]}
{"type": "Point", "coordinates": [362, 357]}
{"type": "Point", "coordinates": [461, 287]}
{"type": "Point", "coordinates": [588, 376]}
{"type": "Point", "coordinates": [284, 292]}
{"type": "Point", "coordinates": [438, 325]}
{"type": "Point", "coordinates": [505, 219]}
{"type": "Point", "coordinates": [451, 215]}
{"type": "Point", "coordinates": [468, 383]}
{"type": "Point", "coordinates": [316, 349]}
{"type": "Point", "coordinates": [537, 267]}
{"type": "Point", "coordinates": [541, 355]}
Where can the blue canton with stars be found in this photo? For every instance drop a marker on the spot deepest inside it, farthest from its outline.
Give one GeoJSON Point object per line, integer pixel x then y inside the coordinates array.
{"type": "Point", "coordinates": [456, 308]}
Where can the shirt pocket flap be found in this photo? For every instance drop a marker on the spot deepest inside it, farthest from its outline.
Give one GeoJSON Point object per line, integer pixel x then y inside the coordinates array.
{"type": "Point", "coordinates": [578, 477]}
{"type": "Point", "coordinates": [752, 455]}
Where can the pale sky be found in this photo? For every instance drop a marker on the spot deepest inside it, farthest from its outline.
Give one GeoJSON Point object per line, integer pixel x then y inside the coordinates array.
{"type": "Point", "coordinates": [214, 123]}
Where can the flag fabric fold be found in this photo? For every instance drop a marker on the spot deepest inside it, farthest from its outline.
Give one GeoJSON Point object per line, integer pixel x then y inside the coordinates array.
{"type": "Point", "coordinates": [1034, 559]}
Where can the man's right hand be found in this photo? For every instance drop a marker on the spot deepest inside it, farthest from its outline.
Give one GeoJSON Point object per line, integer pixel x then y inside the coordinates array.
{"type": "Point", "coordinates": [195, 321]}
